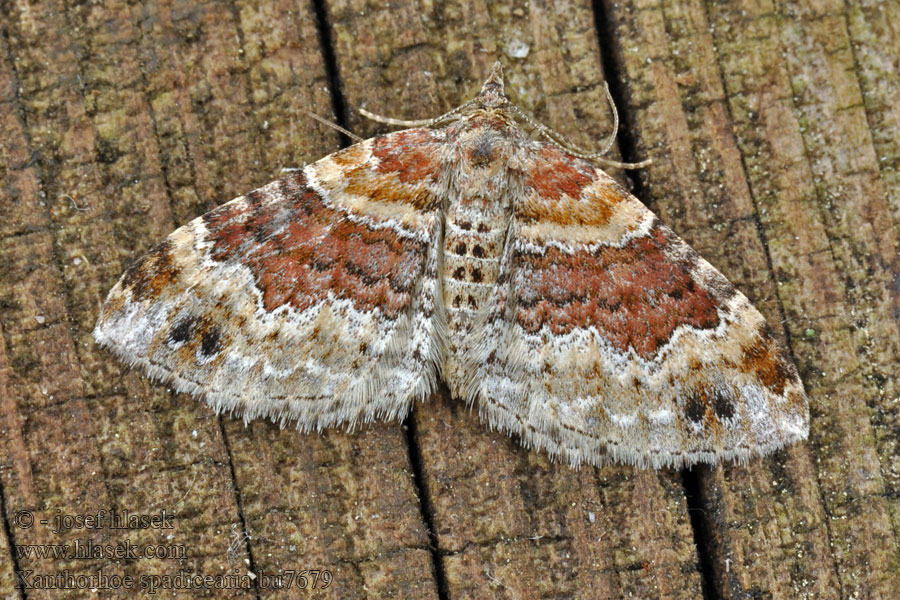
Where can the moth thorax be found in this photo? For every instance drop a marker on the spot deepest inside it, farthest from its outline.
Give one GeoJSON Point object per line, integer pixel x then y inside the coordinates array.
{"type": "Point", "coordinates": [484, 154]}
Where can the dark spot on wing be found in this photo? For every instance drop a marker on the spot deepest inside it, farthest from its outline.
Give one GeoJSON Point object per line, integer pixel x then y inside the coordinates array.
{"type": "Point", "coordinates": [211, 342]}
{"type": "Point", "coordinates": [183, 330]}
{"type": "Point", "coordinates": [723, 405]}
{"type": "Point", "coordinates": [695, 407]}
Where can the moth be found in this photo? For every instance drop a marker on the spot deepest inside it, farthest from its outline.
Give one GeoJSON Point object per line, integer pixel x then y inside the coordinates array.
{"type": "Point", "coordinates": [513, 269]}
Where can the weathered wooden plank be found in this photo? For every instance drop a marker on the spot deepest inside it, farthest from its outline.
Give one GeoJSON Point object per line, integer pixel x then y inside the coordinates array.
{"type": "Point", "coordinates": [759, 104]}
{"type": "Point", "coordinates": [92, 137]}
{"type": "Point", "coordinates": [774, 127]}
{"type": "Point", "coordinates": [141, 118]}
{"type": "Point", "coordinates": [14, 451]}
{"type": "Point", "coordinates": [507, 522]}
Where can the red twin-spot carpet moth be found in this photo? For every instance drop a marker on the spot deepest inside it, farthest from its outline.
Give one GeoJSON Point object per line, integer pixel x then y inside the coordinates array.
{"type": "Point", "coordinates": [517, 272]}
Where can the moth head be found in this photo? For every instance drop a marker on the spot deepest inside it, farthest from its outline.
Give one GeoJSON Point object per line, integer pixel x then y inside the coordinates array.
{"type": "Point", "coordinates": [491, 94]}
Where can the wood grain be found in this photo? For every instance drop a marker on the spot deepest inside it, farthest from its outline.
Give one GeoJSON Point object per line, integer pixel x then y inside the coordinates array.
{"type": "Point", "coordinates": [774, 129]}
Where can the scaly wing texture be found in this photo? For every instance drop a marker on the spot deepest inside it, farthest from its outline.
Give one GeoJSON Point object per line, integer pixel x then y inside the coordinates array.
{"type": "Point", "coordinates": [607, 338]}
{"type": "Point", "coordinates": [310, 299]}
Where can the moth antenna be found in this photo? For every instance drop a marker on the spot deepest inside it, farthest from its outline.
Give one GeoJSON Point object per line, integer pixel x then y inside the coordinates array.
{"type": "Point", "coordinates": [615, 130]}
{"type": "Point", "coordinates": [617, 164]}
{"type": "Point", "coordinates": [334, 126]}
{"type": "Point", "coordinates": [560, 141]}
{"type": "Point", "coordinates": [390, 121]}
{"type": "Point", "coordinates": [418, 123]}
